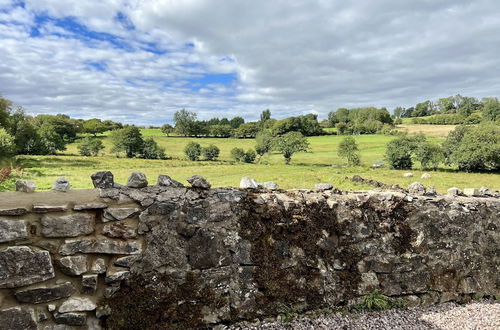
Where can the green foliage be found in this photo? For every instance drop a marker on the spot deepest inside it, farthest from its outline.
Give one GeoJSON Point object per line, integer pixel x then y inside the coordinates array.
{"type": "Point", "coordinates": [236, 122]}
{"type": "Point", "coordinates": [429, 155]}
{"type": "Point", "coordinates": [167, 129]}
{"type": "Point", "coordinates": [367, 120]}
{"type": "Point", "coordinates": [128, 140]}
{"type": "Point", "coordinates": [51, 140]}
{"type": "Point", "coordinates": [223, 131]}
{"type": "Point", "coordinates": [491, 109]}
{"type": "Point", "coordinates": [348, 149]}
{"type": "Point", "coordinates": [287, 314]}
{"type": "Point", "coordinates": [289, 144]}
{"type": "Point", "coordinates": [453, 141]}
{"type": "Point", "coordinates": [7, 145]}
{"type": "Point", "coordinates": [247, 130]}
{"type": "Point", "coordinates": [400, 150]}
{"type": "Point", "coordinates": [239, 155]}
{"type": "Point", "coordinates": [263, 143]}
{"type": "Point", "coordinates": [264, 116]}
{"type": "Point", "coordinates": [211, 152]}
{"type": "Point", "coordinates": [185, 122]}
{"type": "Point", "coordinates": [90, 146]}
{"type": "Point", "coordinates": [192, 151]}
{"type": "Point", "coordinates": [307, 125]}
{"type": "Point", "coordinates": [151, 150]}
{"type": "Point", "coordinates": [375, 301]}
{"type": "Point", "coordinates": [5, 110]}
{"type": "Point", "coordinates": [94, 127]}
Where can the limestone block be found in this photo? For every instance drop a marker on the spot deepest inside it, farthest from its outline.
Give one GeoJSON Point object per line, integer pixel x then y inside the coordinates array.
{"type": "Point", "coordinates": [323, 186]}
{"type": "Point", "coordinates": [25, 186]}
{"type": "Point", "coordinates": [103, 179]}
{"type": "Point", "coordinates": [90, 206]}
{"type": "Point", "coordinates": [119, 230]}
{"type": "Point", "coordinates": [14, 211]}
{"type": "Point", "coordinates": [71, 318]}
{"type": "Point", "coordinates": [137, 180]}
{"type": "Point", "coordinates": [11, 230]}
{"type": "Point", "coordinates": [49, 208]}
{"type": "Point", "coordinates": [166, 181]}
{"type": "Point", "coordinates": [103, 246]}
{"type": "Point", "coordinates": [17, 318]}
{"type": "Point", "coordinates": [89, 284]}
{"type": "Point", "coordinates": [248, 183]}
{"type": "Point", "coordinates": [72, 225]}
{"type": "Point", "coordinates": [73, 265]}
{"type": "Point", "coordinates": [198, 181]}
{"type": "Point", "coordinates": [41, 294]}
{"type": "Point", "coordinates": [118, 214]}
{"type": "Point", "coordinates": [61, 184]}
{"type": "Point", "coordinates": [76, 304]}
{"type": "Point", "coordinates": [99, 266]}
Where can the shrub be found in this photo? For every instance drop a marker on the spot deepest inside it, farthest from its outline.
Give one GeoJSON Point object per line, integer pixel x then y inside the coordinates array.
{"type": "Point", "coordinates": [211, 152]}
{"type": "Point", "coordinates": [429, 155]}
{"type": "Point", "coordinates": [349, 149]}
{"type": "Point", "coordinates": [399, 152]}
{"type": "Point", "coordinates": [151, 150]}
{"type": "Point", "coordinates": [375, 301]}
{"type": "Point", "coordinates": [263, 142]}
{"type": "Point", "coordinates": [193, 151]}
{"type": "Point", "coordinates": [239, 155]}
{"type": "Point", "coordinates": [7, 145]}
{"type": "Point", "coordinates": [90, 147]}
{"type": "Point", "coordinates": [128, 140]}
{"type": "Point", "coordinates": [289, 144]}
{"type": "Point", "coordinates": [250, 156]}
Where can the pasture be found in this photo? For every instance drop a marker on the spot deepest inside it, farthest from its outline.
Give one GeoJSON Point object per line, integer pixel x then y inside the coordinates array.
{"type": "Point", "coordinates": [320, 164]}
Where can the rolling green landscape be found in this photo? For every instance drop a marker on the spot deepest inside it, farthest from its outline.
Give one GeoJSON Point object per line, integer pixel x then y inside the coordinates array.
{"type": "Point", "coordinates": [320, 164]}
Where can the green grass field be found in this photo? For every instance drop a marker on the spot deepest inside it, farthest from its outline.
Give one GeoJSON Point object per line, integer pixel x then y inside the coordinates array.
{"type": "Point", "coordinates": [321, 164]}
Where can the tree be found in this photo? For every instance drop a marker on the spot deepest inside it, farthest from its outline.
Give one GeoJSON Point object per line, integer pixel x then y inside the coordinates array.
{"type": "Point", "coordinates": [128, 140]}
{"type": "Point", "coordinates": [151, 150]}
{"type": "Point", "coordinates": [491, 109]}
{"type": "Point", "coordinates": [429, 155]}
{"type": "Point", "coordinates": [51, 141]}
{"type": "Point", "coordinates": [453, 141]}
{"type": "Point", "coordinates": [348, 149]}
{"type": "Point", "coordinates": [90, 146]}
{"type": "Point", "coordinates": [167, 129]}
{"type": "Point", "coordinates": [264, 116]}
{"type": "Point", "coordinates": [247, 130]}
{"type": "Point", "coordinates": [239, 155]}
{"type": "Point", "coordinates": [94, 127]}
{"type": "Point", "coordinates": [193, 151]}
{"type": "Point", "coordinates": [5, 109]}
{"type": "Point", "coordinates": [289, 144]}
{"type": "Point", "coordinates": [223, 131]}
{"type": "Point", "coordinates": [211, 152]}
{"type": "Point", "coordinates": [263, 143]}
{"type": "Point", "coordinates": [236, 122]}
{"type": "Point", "coordinates": [7, 145]}
{"type": "Point", "coordinates": [184, 121]}
{"type": "Point", "coordinates": [399, 152]}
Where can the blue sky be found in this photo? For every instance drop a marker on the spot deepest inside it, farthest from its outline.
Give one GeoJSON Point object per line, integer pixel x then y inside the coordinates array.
{"type": "Point", "coordinates": [140, 61]}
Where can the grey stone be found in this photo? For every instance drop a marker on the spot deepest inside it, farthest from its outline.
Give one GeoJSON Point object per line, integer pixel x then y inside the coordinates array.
{"type": "Point", "coordinates": [89, 284]}
{"type": "Point", "coordinates": [431, 191]}
{"type": "Point", "coordinates": [42, 316]}
{"type": "Point", "coordinates": [425, 176]}
{"type": "Point", "coordinates": [127, 261]}
{"type": "Point", "coordinates": [61, 184]}
{"type": "Point", "coordinates": [51, 307]}
{"type": "Point", "coordinates": [377, 165]}
{"type": "Point", "coordinates": [23, 265]}
{"type": "Point", "coordinates": [110, 290]}
{"type": "Point", "coordinates": [76, 304]}
{"type": "Point", "coordinates": [90, 206]}
{"type": "Point", "coordinates": [119, 230]}
{"type": "Point", "coordinates": [71, 318]}
{"type": "Point", "coordinates": [14, 211]}
{"type": "Point", "coordinates": [143, 197]}
{"type": "Point", "coordinates": [248, 183]}
{"type": "Point", "coordinates": [11, 230]}
{"type": "Point", "coordinates": [198, 181]}
{"type": "Point", "coordinates": [103, 246]}
{"type": "Point", "coordinates": [454, 191]}
{"type": "Point", "coordinates": [118, 214]}
{"type": "Point", "coordinates": [471, 192]}
{"type": "Point", "coordinates": [72, 225]}
{"type": "Point", "coordinates": [57, 327]}
{"type": "Point", "coordinates": [17, 318]}
{"type": "Point", "coordinates": [416, 188]}
{"type": "Point", "coordinates": [323, 186]}
{"type": "Point", "coordinates": [269, 185]}
{"type": "Point", "coordinates": [116, 275]}
{"type": "Point", "coordinates": [73, 265]}
{"type": "Point", "coordinates": [42, 294]}
{"type": "Point", "coordinates": [49, 208]}
{"type": "Point", "coordinates": [408, 175]}
{"type": "Point", "coordinates": [25, 186]}
{"type": "Point", "coordinates": [103, 179]}
{"type": "Point", "coordinates": [99, 266]}
{"type": "Point", "coordinates": [137, 180]}
{"type": "Point", "coordinates": [166, 181]}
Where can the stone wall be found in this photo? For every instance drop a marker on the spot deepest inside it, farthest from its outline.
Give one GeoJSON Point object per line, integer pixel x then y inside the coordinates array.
{"type": "Point", "coordinates": [169, 256]}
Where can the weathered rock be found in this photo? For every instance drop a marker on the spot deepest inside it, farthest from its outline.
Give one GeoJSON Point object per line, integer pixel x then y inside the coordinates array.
{"type": "Point", "coordinates": [416, 188]}
{"type": "Point", "coordinates": [17, 318]}
{"type": "Point", "coordinates": [42, 316]}
{"type": "Point", "coordinates": [73, 265]}
{"type": "Point", "coordinates": [248, 183]}
{"type": "Point", "coordinates": [49, 208]}
{"type": "Point", "coordinates": [408, 175]}
{"type": "Point", "coordinates": [51, 307]}
{"type": "Point", "coordinates": [72, 225]}
{"type": "Point", "coordinates": [61, 184]}
{"type": "Point", "coordinates": [116, 275]}
{"type": "Point", "coordinates": [118, 214]}
{"type": "Point", "coordinates": [90, 206]}
{"type": "Point", "coordinates": [103, 179]}
{"type": "Point", "coordinates": [14, 211]}
{"type": "Point", "coordinates": [99, 266]}
{"type": "Point", "coordinates": [89, 284]}
{"type": "Point", "coordinates": [471, 192]}
{"type": "Point", "coordinates": [269, 185]}
{"type": "Point", "coordinates": [43, 294]}
{"type": "Point", "coordinates": [323, 186]}
{"type": "Point", "coordinates": [425, 176]}
{"type": "Point", "coordinates": [57, 327]}
{"type": "Point", "coordinates": [103, 246]}
{"type": "Point", "coordinates": [119, 230]}
{"type": "Point", "coordinates": [71, 318]}
{"type": "Point", "coordinates": [127, 261]}
{"type": "Point", "coordinates": [11, 230]}
{"type": "Point", "coordinates": [23, 265]}
{"type": "Point", "coordinates": [77, 305]}
{"type": "Point", "coordinates": [166, 181]}
{"type": "Point", "coordinates": [198, 181]}
{"type": "Point", "coordinates": [141, 196]}
{"type": "Point", "coordinates": [431, 191]}
{"type": "Point", "coordinates": [137, 180]}
{"type": "Point", "coordinates": [25, 186]}
{"type": "Point", "coordinates": [454, 191]}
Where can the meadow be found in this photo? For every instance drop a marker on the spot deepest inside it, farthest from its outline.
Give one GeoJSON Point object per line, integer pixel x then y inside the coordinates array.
{"type": "Point", "coordinates": [321, 164]}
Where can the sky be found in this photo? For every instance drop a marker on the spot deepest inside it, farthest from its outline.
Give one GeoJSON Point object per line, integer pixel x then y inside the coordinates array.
{"type": "Point", "coordinates": [139, 61]}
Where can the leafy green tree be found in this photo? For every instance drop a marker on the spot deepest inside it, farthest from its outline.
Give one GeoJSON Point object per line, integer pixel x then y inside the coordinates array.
{"type": "Point", "coordinates": [151, 150]}
{"type": "Point", "coordinates": [7, 145]}
{"type": "Point", "coordinates": [94, 127]}
{"type": "Point", "coordinates": [453, 141]}
{"type": "Point", "coordinates": [491, 110]}
{"type": "Point", "coordinates": [423, 109]}
{"type": "Point", "coordinates": [429, 155]}
{"type": "Point", "coordinates": [128, 140]}
{"type": "Point", "coordinates": [236, 122]}
{"type": "Point", "coordinates": [167, 129]}
{"type": "Point", "coordinates": [348, 149]}
{"type": "Point", "coordinates": [399, 152]}
{"type": "Point", "coordinates": [263, 143]}
{"type": "Point", "coordinates": [289, 144]}
{"type": "Point", "coordinates": [264, 117]}
{"type": "Point", "coordinates": [211, 152]}
{"type": "Point", "coordinates": [51, 141]}
{"type": "Point", "coordinates": [239, 155]}
{"type": "Point", "coordinates": [184, 121]}
{"type": "Point", "coordinates": [247, 130]}
{"type": "Point", "coordinates": [222, 131]}
{"type": "Point", "coordinates": [90, 146]}
{"type": "Point", "coordinates": [250, 156]}
{"type": "Point", "coordinates": [193, 151]}
{"type": "Point", "coordinates": [5, 109]}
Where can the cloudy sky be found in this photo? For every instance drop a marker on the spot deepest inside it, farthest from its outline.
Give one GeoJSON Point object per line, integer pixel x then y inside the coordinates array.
{"type": "Point", "coordinates": [138, 61]}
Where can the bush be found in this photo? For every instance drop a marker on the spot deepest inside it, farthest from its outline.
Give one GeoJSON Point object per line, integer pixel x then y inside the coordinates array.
{"type": "Point", "coordinates": [289, 144]}
{"type": "Point", "coordinates": [263, 143]}
{"type": "Point", "coordinates": [128, 140]}
{"type": "Point", "coordinates": [90, 147]}
{"type": "Point", "coordinates": [429, 155]}
{"type": "Point", "coordinates": [193, 151]}
{"type": "Point", "coordinates": [211, 152]}
{"type": "Point", "coordinates": [399, 152]}
{"type": "Point", "coordinates": [7, 145]}
{"type": "Point", "coordinates": [349, 149]}
{"type": "Point", "coordinates": [151, 150]}
{"type": "Point", "coordinates": [239, 155]}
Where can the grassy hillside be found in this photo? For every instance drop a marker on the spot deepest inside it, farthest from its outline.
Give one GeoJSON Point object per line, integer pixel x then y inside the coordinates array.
{"type": "Point", "coordinates": [321, 164]}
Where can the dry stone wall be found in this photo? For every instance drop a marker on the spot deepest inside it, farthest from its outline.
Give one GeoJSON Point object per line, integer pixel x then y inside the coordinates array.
{"type": "Point", "coordinates": [168, 256]}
